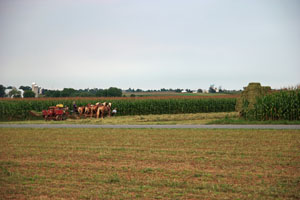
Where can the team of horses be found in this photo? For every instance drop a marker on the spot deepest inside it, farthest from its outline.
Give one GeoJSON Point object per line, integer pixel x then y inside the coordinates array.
{"type": "Point", "coordinates": [100, 110]}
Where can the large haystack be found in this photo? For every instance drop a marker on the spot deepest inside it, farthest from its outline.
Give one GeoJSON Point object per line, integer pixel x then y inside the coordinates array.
{"type": "Point", "coordinates": [248, 97]}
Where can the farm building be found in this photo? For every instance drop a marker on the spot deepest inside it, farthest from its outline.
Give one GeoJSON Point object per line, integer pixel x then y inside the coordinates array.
{"type": "Point", "coordinates": [36, 89]}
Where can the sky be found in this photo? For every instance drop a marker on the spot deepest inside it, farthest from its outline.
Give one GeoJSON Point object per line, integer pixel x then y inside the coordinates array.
{"type": "Point", "coordinates": [149, 44]}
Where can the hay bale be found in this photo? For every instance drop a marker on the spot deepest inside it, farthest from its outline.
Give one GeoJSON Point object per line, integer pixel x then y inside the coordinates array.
{"type": "Point", "coordinates": [248, 97]}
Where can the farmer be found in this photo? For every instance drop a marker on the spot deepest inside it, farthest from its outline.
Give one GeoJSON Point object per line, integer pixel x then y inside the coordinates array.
{"type": "Point", "coordinates": [75, 107]}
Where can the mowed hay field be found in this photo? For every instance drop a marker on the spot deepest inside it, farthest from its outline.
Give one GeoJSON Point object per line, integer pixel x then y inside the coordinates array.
{"type": "Point", "coordinates": [149, 164]}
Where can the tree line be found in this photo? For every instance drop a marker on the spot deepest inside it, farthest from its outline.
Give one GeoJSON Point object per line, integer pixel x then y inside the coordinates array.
{"type": "Point", "coordinates": [70, 92]}
{"type": "Point", "coordinates": [66, 92]}
{"type": "Point", "coordinates": [211, 89]}
{"type": "Point", "coordinates": [15, 93]}
{"type": "Point", "coordinates": [96, 92]}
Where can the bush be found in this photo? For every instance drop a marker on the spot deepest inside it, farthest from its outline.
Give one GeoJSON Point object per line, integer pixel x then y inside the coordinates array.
{"type": "Point", "coordinates": [28, 94]}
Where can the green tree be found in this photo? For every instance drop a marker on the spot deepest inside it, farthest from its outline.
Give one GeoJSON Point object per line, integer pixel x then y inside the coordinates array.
{"type": "Point", "coordinates": [2, 91]}
{"type": "Point", "coordinates": [114, 92]}
{"type": "Point", "coordinates": [130, 90]}
{"type": "Point", "coordinates": [52, 93]}
{"type": "Point", "coordinates": [212, 89]}
{"type": "Point", "coordinates": [67, 92]}
{"type": "Point", "coordinates": [56, 93]}
{"type": "Point", "coordinates": [83, 94]}
{"type": "Point", "coordinates": [25, 88]}
{"type": "Point", "coordinates": [178, 90]}
{"type": "Point", "coordinates": [189, 91]}
{"type": "Point", "coordinates": [48, 93]}
{"type": "Point", "coordinates": [14, 93]}
{"type": "Point", "coordinates": [101, 93]}
{"type": "Point", "coordinates": [28, 94]}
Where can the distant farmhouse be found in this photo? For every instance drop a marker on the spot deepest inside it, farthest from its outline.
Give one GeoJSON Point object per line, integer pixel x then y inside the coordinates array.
{"type": "Point", "coordinates": [7, 92]}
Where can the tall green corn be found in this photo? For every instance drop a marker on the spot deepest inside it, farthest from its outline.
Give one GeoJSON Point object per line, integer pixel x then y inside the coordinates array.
{"type": "Point", "coordinates": [19, 109]}
{"type": "Point", "coordinates": [284, 105]}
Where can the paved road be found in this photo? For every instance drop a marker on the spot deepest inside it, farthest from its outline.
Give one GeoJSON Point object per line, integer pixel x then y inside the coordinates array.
{"type": "Point", "coordinates": [151, 126]}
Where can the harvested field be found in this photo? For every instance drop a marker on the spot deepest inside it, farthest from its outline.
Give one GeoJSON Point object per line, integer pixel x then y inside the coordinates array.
{"type": "Point", "coordinates": [149, 164]}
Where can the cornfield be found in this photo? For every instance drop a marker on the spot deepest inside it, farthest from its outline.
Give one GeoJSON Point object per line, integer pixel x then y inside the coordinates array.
{"type": "Point", "coordinates": [19, 109]}
{"type": "Point", "coordinates": [284, 105]}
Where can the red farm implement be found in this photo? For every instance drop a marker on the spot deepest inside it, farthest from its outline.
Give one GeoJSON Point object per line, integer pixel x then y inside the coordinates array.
{"type": "Point", "coordinates": [55, 113]}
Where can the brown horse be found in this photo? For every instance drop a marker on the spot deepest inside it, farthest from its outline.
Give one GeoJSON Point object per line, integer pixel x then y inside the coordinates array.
{"type": "Point", "coordinates": [81, 110]}
{"type": "Point", "coordinates": [94, 109]}
{"type": "Point", "coordinates": [87, 109]}
{"type": "Point", "coordinates": [104, 109]}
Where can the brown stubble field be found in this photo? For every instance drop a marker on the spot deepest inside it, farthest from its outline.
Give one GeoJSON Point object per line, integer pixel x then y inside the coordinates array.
{"type": "Point", "coordinates": [149, 164]}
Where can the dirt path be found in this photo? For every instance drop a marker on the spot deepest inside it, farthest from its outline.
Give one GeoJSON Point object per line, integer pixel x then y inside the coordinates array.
{"type": "Point", "coordinates": [151, 126]}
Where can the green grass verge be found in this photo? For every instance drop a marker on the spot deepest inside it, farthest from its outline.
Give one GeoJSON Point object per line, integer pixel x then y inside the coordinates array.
{"type": "Point", "coordinates": [167, 119]}
{"type": "Point", "coordinates": [195, 118]}
{"type": "Point", "coordinates": [236, 120]}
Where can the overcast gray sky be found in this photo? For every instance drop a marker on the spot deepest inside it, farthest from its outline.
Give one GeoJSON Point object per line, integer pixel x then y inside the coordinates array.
{"type": "Point", "coordinates": [149, 44]}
